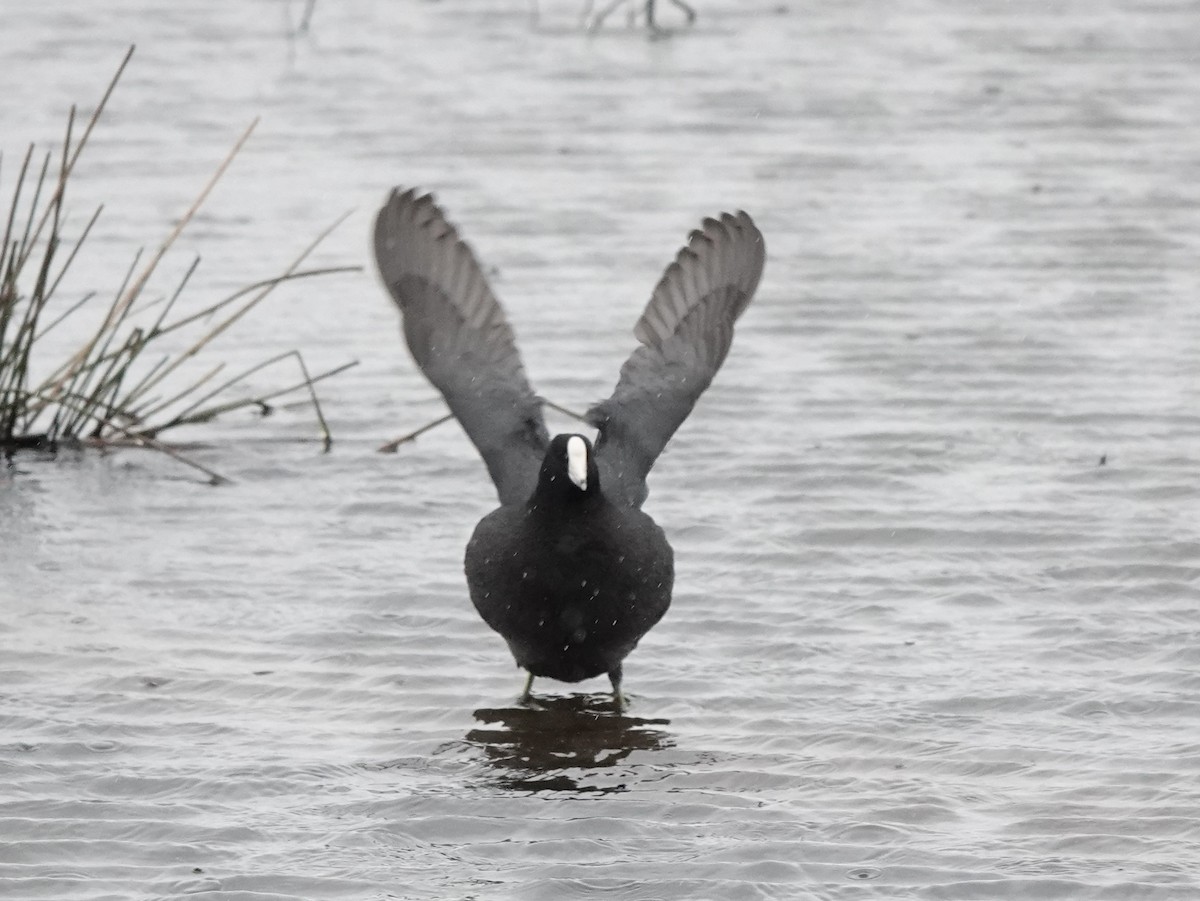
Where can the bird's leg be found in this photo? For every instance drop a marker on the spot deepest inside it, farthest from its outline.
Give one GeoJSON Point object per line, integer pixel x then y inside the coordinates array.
{"type": "Point", "coordinates": [526, 692]}
{"type": "Point", "coordinates": [614, 676]}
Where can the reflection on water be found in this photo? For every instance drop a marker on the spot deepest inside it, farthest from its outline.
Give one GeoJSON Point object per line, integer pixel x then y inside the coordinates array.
{"type": "Point", "coordinates": [552, 743]}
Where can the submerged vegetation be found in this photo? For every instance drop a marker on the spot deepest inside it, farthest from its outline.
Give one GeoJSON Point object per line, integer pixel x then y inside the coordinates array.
{"type": "Point", "coordinates": [123, 384]}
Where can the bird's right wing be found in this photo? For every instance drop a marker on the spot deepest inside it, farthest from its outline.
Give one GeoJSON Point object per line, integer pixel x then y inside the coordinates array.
{"type": "Point", "coordinates": [461, 339]}
{"type": "Point", "coordinates": [685, 333]}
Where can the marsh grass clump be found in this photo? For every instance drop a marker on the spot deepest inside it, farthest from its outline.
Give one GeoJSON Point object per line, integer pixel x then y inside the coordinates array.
{"type": "Point", "coordinates": [131, 378]}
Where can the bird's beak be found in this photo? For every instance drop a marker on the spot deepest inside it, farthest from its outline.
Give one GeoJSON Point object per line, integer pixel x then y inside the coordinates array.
{"type": "Point", "coordinates": [577, 462]}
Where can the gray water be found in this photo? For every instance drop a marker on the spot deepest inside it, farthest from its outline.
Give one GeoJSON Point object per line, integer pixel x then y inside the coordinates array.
{"type": "Point", "coordinates": [936, 631]}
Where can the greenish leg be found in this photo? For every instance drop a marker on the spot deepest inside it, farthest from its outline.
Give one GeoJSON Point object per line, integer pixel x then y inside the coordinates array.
{"type": "Point", "coordinates": [526, 693]}
{"type": "Point", "coordinates": [614, 676]}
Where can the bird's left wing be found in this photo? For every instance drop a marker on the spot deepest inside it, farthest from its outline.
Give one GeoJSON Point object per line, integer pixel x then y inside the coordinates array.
{"type": "Point", "coordinates": [461, 339]}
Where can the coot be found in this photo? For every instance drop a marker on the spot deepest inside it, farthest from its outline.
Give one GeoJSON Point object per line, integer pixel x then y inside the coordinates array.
{"type": "Point", "coordinates": [569, 570]}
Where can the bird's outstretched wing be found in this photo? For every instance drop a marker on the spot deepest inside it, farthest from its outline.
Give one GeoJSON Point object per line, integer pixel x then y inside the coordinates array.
{"type": "Point", "coordinates": [685, 333]}
{"type": "Point", "coordinates": [461, 339]}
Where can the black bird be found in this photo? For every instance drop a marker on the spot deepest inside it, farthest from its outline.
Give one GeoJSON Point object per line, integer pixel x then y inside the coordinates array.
{"type": "Point", "coordinates": [569, 570]}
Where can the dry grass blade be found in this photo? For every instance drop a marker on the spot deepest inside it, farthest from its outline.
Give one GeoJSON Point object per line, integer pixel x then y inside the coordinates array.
{"type": "Point", "coordinates": [83, 374]}
{"type": "Point", "coordinates": [192, 388]}
{"type": "Point", "coordinates": [392, 446]}
{"type": "Point", "coordinates": [268, 286]}
{"type": "Point", "coordinates": [87, 230]}
{"type": "Point", "coordinates": [16, 202]}
{"type": "Point", "coordinates": [563, 410]}
{"type": "Point", "coordinates": [70, 158]}
{"type": "Point", "coordinates": [261, 400]}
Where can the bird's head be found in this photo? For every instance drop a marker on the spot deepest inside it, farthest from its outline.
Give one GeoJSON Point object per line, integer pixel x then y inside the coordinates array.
{"type": "Point", "coordinates": [568, 471]}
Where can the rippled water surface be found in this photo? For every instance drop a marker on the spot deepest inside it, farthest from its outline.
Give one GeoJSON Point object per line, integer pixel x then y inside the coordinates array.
{"type": "Point", "coordinates": [936, 631]}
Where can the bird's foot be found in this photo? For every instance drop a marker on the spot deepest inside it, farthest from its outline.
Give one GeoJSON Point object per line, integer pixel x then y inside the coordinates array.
{"type": "Point", "coordinates": [620, 702]}
{"type": "Point", "coordinates": [527, 691]}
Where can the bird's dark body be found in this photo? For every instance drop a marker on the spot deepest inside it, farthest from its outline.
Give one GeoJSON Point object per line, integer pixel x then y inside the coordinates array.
{"type": "Point", "coordinates": [571, 591]}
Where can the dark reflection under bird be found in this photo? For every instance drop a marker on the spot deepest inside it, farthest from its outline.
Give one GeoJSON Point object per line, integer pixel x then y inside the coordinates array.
{"type": "Point", "coordinates": [569, 569]}
{"type": "Point", "coordinates": [567, 744]}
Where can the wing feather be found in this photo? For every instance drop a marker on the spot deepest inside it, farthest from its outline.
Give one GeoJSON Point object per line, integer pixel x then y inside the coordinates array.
{"type": "Point", "coordinates": [460, 338]}
{"type": "Point", "coordinates": [685, 334]}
